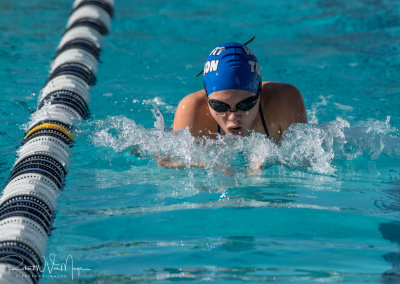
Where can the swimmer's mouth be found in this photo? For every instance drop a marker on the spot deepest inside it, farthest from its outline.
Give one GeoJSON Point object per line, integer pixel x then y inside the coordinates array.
{"type": "Point", "coordinates": [235, 130]}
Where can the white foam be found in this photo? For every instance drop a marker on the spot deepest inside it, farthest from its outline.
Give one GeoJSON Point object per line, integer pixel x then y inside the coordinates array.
{"type": "Point", "coordinates": [308, 147]}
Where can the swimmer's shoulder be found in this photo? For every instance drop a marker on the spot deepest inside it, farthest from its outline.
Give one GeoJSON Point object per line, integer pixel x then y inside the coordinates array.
{"type": "Point", "coordinates": [275, 90]}
{"type": "Point", "coordinates": [195, 99]}
{"type": "Point", "coordinates": [283, 105]}
{"type": "Point", "coordinates": [192, 112]}
{"type": "Point", "coordinates": [281, 95]}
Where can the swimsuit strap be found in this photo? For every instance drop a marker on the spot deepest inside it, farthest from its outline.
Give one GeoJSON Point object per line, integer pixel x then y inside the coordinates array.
{"type": "Point", "coordinates": [263, 122]}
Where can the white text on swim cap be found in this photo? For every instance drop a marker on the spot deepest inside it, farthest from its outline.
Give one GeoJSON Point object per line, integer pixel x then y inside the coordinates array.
{"type": "Point", "coordinates": [217, 51]}
{"type": "Point", "coordinates": [211, 66]}
{"type": "Point", "coordinates": [254, 67]}
{"type": "Point", "coordinates": [248, 51]}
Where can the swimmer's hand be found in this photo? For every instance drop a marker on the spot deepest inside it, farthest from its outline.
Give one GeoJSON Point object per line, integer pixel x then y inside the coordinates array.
{"type": "Point", "coordinates": [257, 168]}
{"type": "Point", "coordinates": [254, 169]}
{"type": "Point", "coordinates": [166, 162]}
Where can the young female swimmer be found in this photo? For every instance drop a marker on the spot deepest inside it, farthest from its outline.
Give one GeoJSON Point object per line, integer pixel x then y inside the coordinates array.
{"type": "Point", "coordinates": [236, 101]}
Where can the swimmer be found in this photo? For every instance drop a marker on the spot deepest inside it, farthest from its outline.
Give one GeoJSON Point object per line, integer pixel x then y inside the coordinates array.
{"type": "Point", "coordinates": [236, 101]}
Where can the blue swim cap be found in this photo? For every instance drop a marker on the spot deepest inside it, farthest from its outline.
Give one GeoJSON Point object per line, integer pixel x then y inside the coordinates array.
{"type": "Point", "coordinates": [231, 66]}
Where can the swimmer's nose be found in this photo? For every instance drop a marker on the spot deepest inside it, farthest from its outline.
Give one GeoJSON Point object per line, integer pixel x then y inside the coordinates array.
{"type": "Point", "coordinates": [233, 116]}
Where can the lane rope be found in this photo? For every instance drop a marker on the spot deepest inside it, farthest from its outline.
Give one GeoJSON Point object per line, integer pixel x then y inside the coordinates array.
{"type": "Point", "coordinates": [29, 199]}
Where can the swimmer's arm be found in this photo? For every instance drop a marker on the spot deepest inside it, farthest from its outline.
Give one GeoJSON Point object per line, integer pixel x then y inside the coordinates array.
{"type": "Point", "coordinates": [257, 167]}
{"type": "Point", "coordinates": [166, 162]}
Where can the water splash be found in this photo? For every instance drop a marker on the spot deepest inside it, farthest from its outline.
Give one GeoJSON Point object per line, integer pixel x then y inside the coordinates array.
{"type": "Point", "coordinates": [312, 114]}
{"type": "Point", "coordinates": [117, 132]}
{"type": "Point", "coordinates": [159, 123]}
{"type": "Point", "coordinates": [317, 148]}
{"type": "Point", "coordinates": [156, 101]}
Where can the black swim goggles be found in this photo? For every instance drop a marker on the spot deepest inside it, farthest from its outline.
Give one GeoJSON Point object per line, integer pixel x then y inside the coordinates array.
{"type": "Point", "coordinates": [245, 105]}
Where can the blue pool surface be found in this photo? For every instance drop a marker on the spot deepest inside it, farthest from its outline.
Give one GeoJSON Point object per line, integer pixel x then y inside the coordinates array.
{"type": "Point", "coordinates": [327, 208]}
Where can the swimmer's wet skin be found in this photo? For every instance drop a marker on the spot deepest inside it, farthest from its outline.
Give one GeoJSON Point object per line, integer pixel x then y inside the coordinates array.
{"type": "Point", "coordinates": [236, 101]}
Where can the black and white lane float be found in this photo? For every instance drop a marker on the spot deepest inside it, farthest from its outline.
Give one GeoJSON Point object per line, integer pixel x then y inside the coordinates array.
{"type": "Point", "coordinates": [28, 201]}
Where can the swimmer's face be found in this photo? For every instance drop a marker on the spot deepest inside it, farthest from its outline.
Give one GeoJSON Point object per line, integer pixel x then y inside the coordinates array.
{"type": "Point", "coordinates": [238, 122]}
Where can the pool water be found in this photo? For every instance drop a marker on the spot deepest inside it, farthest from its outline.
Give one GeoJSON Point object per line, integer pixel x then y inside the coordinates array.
{"type": "Point", "coordinates": [326, 206]}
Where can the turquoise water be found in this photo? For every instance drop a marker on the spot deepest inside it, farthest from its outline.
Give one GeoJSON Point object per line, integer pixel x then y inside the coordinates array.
{"type": "Point", "coordinates": [326, 210]}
